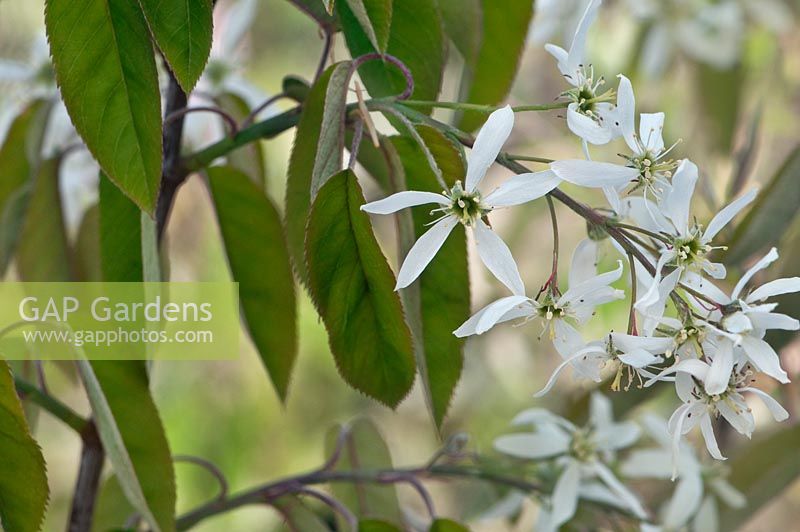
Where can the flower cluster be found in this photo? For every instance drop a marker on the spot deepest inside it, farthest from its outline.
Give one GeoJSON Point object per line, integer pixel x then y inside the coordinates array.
{"type": "Point", "coordinates": [683, 328]}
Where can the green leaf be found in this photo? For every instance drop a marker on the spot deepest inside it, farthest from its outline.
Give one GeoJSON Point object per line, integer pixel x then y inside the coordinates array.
{"type": "Point", "coordinates": [250, 157]}
{"type": "Point", "coordinates": [376, 525]}
{"type": "Point", "coordinates": [771, 213]}
{"type": "Point", "coordinates": [321, 11]}
{"type": "Point", "coordinates": [132, 436]}
{"type": "Point", "coordinates": [182, 30]}
{"type": "Point", "coordinates": [259, 260]}
{"type": "Point", "coordinates": [23, 479]}
{"type": "Point", "coordinates": [505, 28]}
{"type": "Point", "coordinates": [364, 450]}
{"type": "Point", "coordinates": [120, 235]}
{"type": "Point", "coordinates": [463, 24]}
{"type": "Point", "coordinates": [106, 71]}
{"type": "Point", "coordinates": [447, 525]}
{"type": "Point", "coordinates": [302, 168]}
{"type": "Point", "coordinates": [43, 252]}
{"type": "Point", "coordinates": [353, 289]}
{"type": "Point", "coordinates": [112, 508]}
{"type": "Point", "coordinates": [297, 516]}
{"type": "Point", "coordinates": [416, 38]}
{"type": "Point", "coordinates": [295, 87]}
{"type": "Point", "coordinates": [444, 292]}
{"type": "Point", "coordinates": [20, 154]}
{"type": "Point", "coordinates": [761, 470]}
{"type": "Point", "coordinates": [328, 159]}
{"type": "Point", "coordinates": [375, 17]}
{"type": "Point", "coordinates": [720, 93]}
{"type": "Point", "coordinates": [86, 253]}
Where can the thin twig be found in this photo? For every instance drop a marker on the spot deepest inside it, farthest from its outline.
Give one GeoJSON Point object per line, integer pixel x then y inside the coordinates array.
{"type": "Point", "coordinates": [409, 89]}
{"type": "Point", "coordinates": [233, 128]}
{"type": "Point", "coordinates": [248, 121]}
{"type": "Point", "coordinates": [52, 405]}
{"type": "Point", "coordinates": [326, 52]}
{"type": "Point", "coordinates": [171, 175]}
{"type": "Point", "coordinates": [211, 468]}
{"type": "Point", "coordinates": [553, 281]}
{"type": "Point", "coordinates": [530, 158]}
{"type": "Point", "coordinates": [85, 494]}
{"type": "Point", "coordinates": [352, 520]}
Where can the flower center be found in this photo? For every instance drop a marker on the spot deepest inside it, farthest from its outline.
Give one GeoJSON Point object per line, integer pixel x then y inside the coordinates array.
{"type": "Point", "coordinates": [582, 446]}
{"type": "Point", "coordinates": [691, 250]}
{"type": "Point", "coordinates": [651, 168]}
{"type": "Point", "coordinates": [466, 206]}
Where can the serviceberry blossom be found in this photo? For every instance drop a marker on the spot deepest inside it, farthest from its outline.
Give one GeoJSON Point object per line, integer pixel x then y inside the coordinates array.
{"type": "Point", "coordinates": [699, 407]}
{"type": "Point", "coordinates": [558, 313]}
{"type": "Point", "coordinates": [622, 355]}
{"type": "Point", "coordinates": [465, 204]}
{"type": "Point", "coordinates": [583, 454]}
{"type": "Point", "coordinates": [589, 111]}
{"type": "Point", "coordinates": [697, 487]}
{"type": "Point", "coordinates": [683, 244]}
{"type": "Point", "coordinates": [740, 322]}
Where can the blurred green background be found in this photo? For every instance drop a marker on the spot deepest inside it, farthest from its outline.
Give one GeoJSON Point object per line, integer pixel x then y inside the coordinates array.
{"type": "Point", "coordinates": [227, 412]}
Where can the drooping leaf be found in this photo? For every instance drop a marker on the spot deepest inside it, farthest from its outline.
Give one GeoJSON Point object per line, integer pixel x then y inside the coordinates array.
{"type": "Point", "coordinates": [376, 525]}
{"type": "Point", "coordinates": [375, 17]}
{"type": "Point", "coordinates": [86, 251]}
{"type": "Point", "coordinates": [43, 252]}
{"type": "Point", "coordinates": [120, 235]}
{"type": "Point", "coordinates": [365, 450]}
{"type": "Point", "coordinates": [250, 157]}
{"type": "Point", "coordinates": [182, 30]}
{"type": "Point", "coordinates": [321, 11]}
{"type": "Point", "coordinates": [463, 24]}
{"type": "Point", "coordinates": [416, 38]}
{"type": "Point", "coordinates": [132, 436]}
{"type": "Point", "coordinates": [720, 93]}
{"type": "Point", "coordinates": [20, 154]}
{"type": "Point", "coordinates": [761, 470]}
{"type": "Point", "coordinates": [297, 516]}
{"type": "Point", "coordinates": [302, 168]}
{"type": "Point", "coordinates": [23, 479]}
{"type": "Point", "coordinates": [259, 260]}
{"type": "Point", "coordinates": [447, 525]}
{"type": "Point", "coordinates": [328, 159]}
{"type": "Point", "coordinates": [353, 289]}
{"type": "Point", "coordinates": [444, 293]}
{"type": "Point", "coordinates": [504, 29]}
{"type": "Point", "coordinates": [770, 215]}
{"type": "Point", "coordinates": [106, 71]}
{"type": "Point", "coordinates": [295, 87]}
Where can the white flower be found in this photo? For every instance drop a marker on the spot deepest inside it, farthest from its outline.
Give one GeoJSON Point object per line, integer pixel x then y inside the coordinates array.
{"type": "Point", "coordinates": [687, 245]}
{"type": "Point", "coordinates": [623, 353]}
{"type": "Point", "coordinates": [698, 406]}
{"type": "Point", "coordinates": [554, 17]}
{"type": "Point", "coordinates": [584, 454]}
{"type": "Point", "coordinates": [588, 110]}
{"type": "Point", "coordinates": [688, 498]}
{"type": "Point", "coordinates": [741, 322]}
{"type": "Point", "coordinates": [557, 312]}
{"type": "Point", "coordinates": [466, 205]}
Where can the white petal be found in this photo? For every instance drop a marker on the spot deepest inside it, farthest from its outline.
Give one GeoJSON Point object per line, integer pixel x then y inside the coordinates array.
{"type": "Point", "coordinates": [676, 422]}
{"type": "Point", "coordinates": [677, 203]}
{"type": "Point", "coordinates": [647, 463]}
{"type": "Point", "coordinates": [764, 358]}
{"type": "Point", "coordinates": [775, 408]}
{"type": "Point", "coordinates": [401, 200]}
{"type": "Point", "coordinates": [773, 320]}
{"type": "Point", "coordinates": [593, 174]}
{"type": "Point", "coordinates": [565, 495]}
{"type": "Point", "coordinates": [639, 358]}
{"type": "Point", "coordinates": [705, 287]}
{"type": "Point", "coordinates": [497, 257]}
{"type": "Point", "coordinates": [739, 418]}
{"type": "Point", "coordinates": [584, 262]}
{"type": "Point", "coordinates": [710, 439]}
{"type": "Point", "coordinates": [628, 342]}
{"type": "Point", "coordinates": [14, 71]}
{"type": "Point", "coordinates": [532, 446]}
{"type": "Point", "coordinates": [696, 368]}
{"type": "Point", "coordinates": [562, 57]}
{"type": "Point", "coordinates": [788, 285]}
{"type": "Point", "coordinates": [651, 296]}
{"type": "Point", "coordinates": [488, 144]}
{"type": "Point", "coordinates": [567, 341]}
{"type": "Point", "coordinates": [423, 251]}
{"type": "Point", "coordinates": [585, 354]}
{"type": "Point", "coordinates": [577, 50]}
{"type": "Point", "coordinates": [707, 517]}
{"type": "Point", "coordinates": [765, 261]}
{"type": "Point", "coordinates": [617, 435]}
{"type": "Point", "coordinates": [716, 270]}
{"type": "Point", "coordinates": [626, 112]}
{"type": "Point", "coordinates": [601, 412]}
{"type": "Point", "coordinates": [719, 374]}
{"type": "Point", "coordinates": [727, 214]}
{"type": "Point", "coordinates": [651, 126]}
{"type": "Point", "coordinates": [522, 188]}
{"type": "Point", "coordinates": [630, 500]}
{"type": "Point", "coordinates": [728, 494]}
{"type": "Point", "coordinates": [470, 327]}
{"type": "Point", "coordinates": [684, 502]}
{"type": "Point", "coordinates": [574, 293]}
{"type": "Point", "coordinates": [587, 128]}
{"type": "Point", "coordinates": [541, 418]}
{"type": "Point", "coordinates": [496, 311]}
